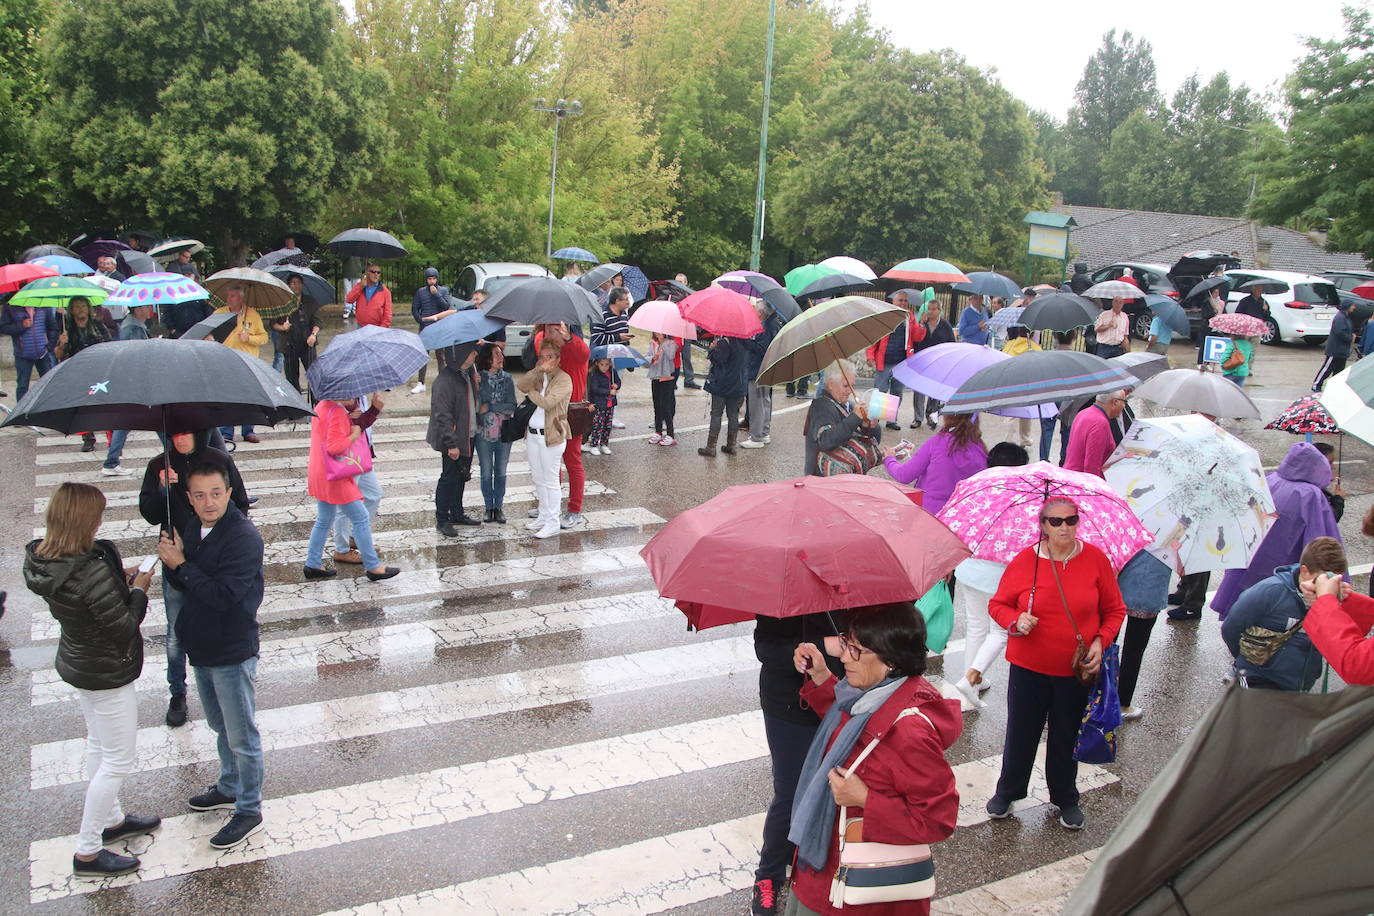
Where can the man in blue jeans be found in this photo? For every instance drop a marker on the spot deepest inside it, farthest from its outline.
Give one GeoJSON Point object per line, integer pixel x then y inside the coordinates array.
{"type": "Point", "coordinates": [35, 332]}
{"type": "Point", "coordinates": [216, 560]}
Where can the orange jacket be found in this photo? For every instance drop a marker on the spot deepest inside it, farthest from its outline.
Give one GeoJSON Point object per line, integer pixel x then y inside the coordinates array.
{"type": "Point", "coordinates": [375, 309]}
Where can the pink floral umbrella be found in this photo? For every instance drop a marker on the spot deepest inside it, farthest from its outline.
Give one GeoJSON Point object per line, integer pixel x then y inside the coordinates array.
{"type": "Point", "coordinates": [1236, 323]}
{"type": "Point", "coordinates": [997, 512]}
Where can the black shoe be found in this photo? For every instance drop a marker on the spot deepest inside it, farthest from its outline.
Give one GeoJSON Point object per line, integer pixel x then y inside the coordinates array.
{"type": "Point", "coordinates": [239, 828]}
{"type": "Point", "coordinates": [930, 421]}
{"type": "Point", "coordinates": [106, 864]}
{"type": "Point", "coordinates": [1183, 613]}
{"type": "Point", "coordinates": [914, 425]}
{"type": "Point", "coordinates": [1071, 818]}
{"type": "Point", "coordinates": [133, 826]}
{"type": "Point", "coordinates": [998, 807]}
{"type": "Point", "coordinates": [384, 574]}
{"type": "Point", "coordinates": [252, 500]}
{"type": "Point", "coordinates": [87, 445]}
{"type": "Point", "coordinates": [693, 385]}
{"type": "Point", "coordinates": [176, 711]}
{"type": "Point", "coordinates": [765, 902]}
{"type": "Point", "coordinates": [727, 450]}
{"type": "Point", "coordinates": [465, 519]}
{"type": "Point", "coordinates": [486, 516]}
{"type": "Point", "coordinates": [447, 529]}
{"type": "Point", "coordinates": [313, 573]}
{"type": "Point", "coordinates": [212, 799]}
{"type": "Point", "coordinates": [1175, 598]}
{"type": "Point", "coordinates": [498, 516]}
{"type": "Point", "coordinates": [894, 426]}
{"type": "Point", "coordinates": [707, 452]}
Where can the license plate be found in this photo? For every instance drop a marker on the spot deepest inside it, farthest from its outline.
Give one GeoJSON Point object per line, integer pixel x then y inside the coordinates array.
{"type": "Point", "coordinates": [1323, 317]}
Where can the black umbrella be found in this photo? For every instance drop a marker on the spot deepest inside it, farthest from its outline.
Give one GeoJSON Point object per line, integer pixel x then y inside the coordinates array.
{"type": "Point", "coordinates": [599, 274]}
{"type": "Point", "coordinates": [315, 287]}
{"type": "Point", "coordinates": [1038, 377]}
{"type": "Point", "coordinates": [218, 326]}
{"type": "Point", "coordinates": [1059, 312]}
{"type": "Point", "coordinates": [1265, 286]}
{"type": "Point", "coordinates": [543, 300]}
{"type": "Point", "coordinates": [832, 285]}
{"type": "Point", "coordinates": [1206, 286]}
{"type": "Point", "coordinates": [305, 241]}
{"type": "Point", "coordinates": [44, 251]}
{"type": "Point", "coordinates": [146, 238]}
{"type": "Point", "coordinates": [782, 303]}
{"type": "Point", "coordinates": [366, 243]}
{"type": "Point", "coordinates": [988, 283]}
{"type": "Point", "coordinates": [135, 262]}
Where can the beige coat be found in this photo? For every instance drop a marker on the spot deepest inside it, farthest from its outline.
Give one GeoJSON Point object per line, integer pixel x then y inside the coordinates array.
{"type": "Point", "coordinates": [554, 401]}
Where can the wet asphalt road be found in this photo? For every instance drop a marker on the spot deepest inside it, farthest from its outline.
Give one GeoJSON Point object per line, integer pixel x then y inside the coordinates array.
{"type": "Point", "coordinates": [453, 740]}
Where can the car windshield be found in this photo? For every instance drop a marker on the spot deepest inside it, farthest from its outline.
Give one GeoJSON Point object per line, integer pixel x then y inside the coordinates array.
{"type": "Point", "coordinates": [1317, 294]}
{"type": "Point", "coordinates": [495, 283]}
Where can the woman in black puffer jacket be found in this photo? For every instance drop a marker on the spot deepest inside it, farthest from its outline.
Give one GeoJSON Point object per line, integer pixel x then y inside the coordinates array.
{"type": "Point", "coordinates": [99, 605]}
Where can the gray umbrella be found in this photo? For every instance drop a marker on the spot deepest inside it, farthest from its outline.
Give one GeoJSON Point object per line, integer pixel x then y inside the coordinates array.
{"type": "Point", "coordinates": [832, 285]}
{"type": "Point", "coordinates": [1142, 365]}
{"type": "Point", "coordinates": [217, 326]}
{"type": "Point", "coordinates": [543, 300]}
{"type": "Point", "coordinates": [781, 302]}
{"type": "Point", "coordinates": [135, 262]}
{"type": "Point", "coordinates": [367, 243]}
{"type": "Point", "coordinates": [1199, 390]}
{"type": "Point", "coordinates": [1059, 312]}
{"type": "Point", "coordinates": [1038, 377]}
{"type": "Point", "coordinates": [599, 274]}
{"type": "Point", "coordinates": [43, 251]}
{"type": "Point", "coordinates": [315, 287]}
{"type": "Point", "coordinates": [987, 283]}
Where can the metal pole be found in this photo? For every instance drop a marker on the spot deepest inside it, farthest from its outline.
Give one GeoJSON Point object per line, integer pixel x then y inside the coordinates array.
{"type": "Point", "coordinates": [553, 183]}
{"type": "Point", "coordinates": [756, 242]}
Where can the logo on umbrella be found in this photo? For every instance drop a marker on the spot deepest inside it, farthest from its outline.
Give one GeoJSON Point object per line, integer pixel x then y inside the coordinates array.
{"type": "Point", "coordinates": [102, 387]}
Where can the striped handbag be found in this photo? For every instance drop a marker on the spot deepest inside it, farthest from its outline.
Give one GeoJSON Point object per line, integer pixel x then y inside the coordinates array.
{"type": "Point", "coordinates": [879, 872]}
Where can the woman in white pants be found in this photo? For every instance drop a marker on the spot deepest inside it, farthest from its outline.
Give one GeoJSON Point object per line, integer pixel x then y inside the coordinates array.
{"type": "Point", "coordinates": [550, 388]}
{"type": "Point", "coordinates": [99, 606]}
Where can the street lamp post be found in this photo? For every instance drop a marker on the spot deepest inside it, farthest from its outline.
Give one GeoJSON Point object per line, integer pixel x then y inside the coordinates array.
{"type": "Point", "coordinates": [756, 240]}
{"type": "Point", "coordinates": [561, 109]}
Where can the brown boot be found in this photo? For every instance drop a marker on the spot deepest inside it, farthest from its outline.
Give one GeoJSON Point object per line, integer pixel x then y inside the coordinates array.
{"type": "Point", "coordinates": [707, 452]}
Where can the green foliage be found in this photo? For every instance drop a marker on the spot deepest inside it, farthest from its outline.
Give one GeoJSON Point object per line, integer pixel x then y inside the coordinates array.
{"type": "Point", "coordinates": [24, 190]}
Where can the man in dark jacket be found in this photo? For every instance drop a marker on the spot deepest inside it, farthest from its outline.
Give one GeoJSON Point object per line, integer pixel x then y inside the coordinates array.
{"type": "Point", "coordinates": [727, 383]}
{"type": "Point", "coordinates": [188, 450]}
{"type": "Point", "coordinates": [452, 426]}
{"type": "Point", "coordinates": [36, 332]}
{"type": "Point", "coordinates": [1080, 279]}
{"type": "Point", "coordinates": [1338, 343]}
{"type": "Point", "coordinates": [179, 317]}
{"type": "Point", "coordinates": [216, 560]}
{"type": "Point", "coordinates": [760, 397]}
{"type": "Point", "coordinates": [430, 303]}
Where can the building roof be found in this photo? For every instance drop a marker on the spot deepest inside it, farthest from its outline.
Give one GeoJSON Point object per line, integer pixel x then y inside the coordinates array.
{"type": "Point", "coordinates": [1106, 235]}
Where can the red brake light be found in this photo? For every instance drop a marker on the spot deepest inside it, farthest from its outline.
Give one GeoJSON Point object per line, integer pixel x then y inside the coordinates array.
{"type": "Point", "coordinates": [1171, 293]}
{"type": "Point", "coordinates": [1299, 304]}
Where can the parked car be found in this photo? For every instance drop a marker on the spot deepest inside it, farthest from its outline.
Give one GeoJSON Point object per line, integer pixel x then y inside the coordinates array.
{"type": "Point", "coordinates": [1346, 281]}
{"type": "Point", "coordinates": [1153, 278]}
{"type": "Point", "coordinates": [491, 276]}
{"type": "Point", "coordinates": [1304, 312]}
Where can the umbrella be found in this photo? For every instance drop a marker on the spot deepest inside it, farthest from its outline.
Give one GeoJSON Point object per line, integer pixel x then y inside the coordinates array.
{"type": "Point", "coordinates": [269, 295]}
{"type": "Point", "coordinates": [305, 241]}
{"type": "Point", "coordinates": [43, 251]}
{"type": "Point", "coordinates": [170, 249]}
{"type": "Point", "coordinates": [1305, 417]}
{"type": "Point", "coordinates": [57, 292]}
{"type": "Point", "coordinates": [600, 274]}
{"type": "Point", "coordinates": [832, 285]}
{"type": "Point", "coordinates": [621, 356]}
{"type": "Point", "coordinates": [1005, 318]}
{"type": "Point", "coordinates": [65, 266]}
{"type": "Point", "coordinates": [135, 262]}
{"type": "Point", "coordinates": [1238, 324]}
{"type": "Point", "coordinates": [812, 544]}
{"type": "Point", "coordinates": [1364, 291]}
{"type": "Point", "coordinates": [798, 278]}
{"type": "Point", "coordinates": [1199, 390]}
{"type": "Point", "coordinates": [542, 300]}
{"type": "Point", "coordinates": [996, 512]}
{"type": "Point", "coordinates": [1206, 286]}
{"type": "Point", "coordinates": [1281, 828]}
{"type": "Point", "coordinates": [721, 312]}
{"type": "Point", "coordinates": [1059, 312]}
{"type": "Point", "coordinates": [92, 250]}
{"type": "Point", "coordinates": [938, 371]}
{"type": "Point", "coordinates": [458, 328]}
{"type": "Point", "coordinates": [664, 317]}
{"type": "Point", "coordinates": [1038, 377]}
{"type": "Point", "coordinates": [1265, 286]}
{"type": "Point", "coordinates": [782, 303]}
{"type": "Point", "coordinates": [14, 276]}
{"type": "Point", "coordinates": [366, 243]}
{"type": "Point", "coordinates": [1197, 488]}
{"type": "Point", "coordinates": [281, 256]}
{"type": "Point", "coordinates": [217, 326]}
{"type": "Point", "coordinates": [146, 237]}
{"type": "Point", "coordinates": [987, 283]}
{"type": "Point", "coordinates": [1172, 313]}
{"type": "Point", "coordinates": [827, 332]}
{"type": "Point", "coordinates": [576, 254]}
{"type": "Point", "coordinates": [313, 286]}
{"type": "Point", "coordinates": [852, 266]}
{"type": "Point", "coordinates": [157, 289]}
{"type": "Point", "coordinates": [926, 270]}
{"type": "Point", "coordinates": [745, 282]}
{"type": "Point", "coordinates": [1112, 289]}
{"type": "Point", "coordinates": [370, 359]}
{"type": "Point", "coordinates": [1347, 396]}
{"type": "Point", "coordinates": [1141, 364]}
{"type": "Point", "coordinates": [637, 282]}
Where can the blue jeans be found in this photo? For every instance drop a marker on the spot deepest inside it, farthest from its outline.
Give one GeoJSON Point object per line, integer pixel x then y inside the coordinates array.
{"type": "Point", "coordinates": [172, 598]}
{"type": "Point", "coordinates": [1046, 436]}
{"type": "Point", "coordinates": [492, 457]}
{"type": "Point", "coordinates": [227, 696]}
{"type": "Point", "coordinates": [117, 440]}
{"type": "Point", "coordinates": [372, 498]}
{"type": "Point", "coordinates": [228, 432]}
{"type": "Point", "coordinates": [362, 532]}
{"type": "Point", "coordinates": [23, 369]}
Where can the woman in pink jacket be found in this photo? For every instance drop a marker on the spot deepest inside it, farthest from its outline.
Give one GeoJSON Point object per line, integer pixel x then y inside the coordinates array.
{"type": "Point", "coordinates": [333, 432]}
{"type": "Point", "coordinates": [951, 455]}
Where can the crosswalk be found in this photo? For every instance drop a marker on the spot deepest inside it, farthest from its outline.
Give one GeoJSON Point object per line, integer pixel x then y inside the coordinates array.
{"type": "Point", "coordinates": [509, 726]}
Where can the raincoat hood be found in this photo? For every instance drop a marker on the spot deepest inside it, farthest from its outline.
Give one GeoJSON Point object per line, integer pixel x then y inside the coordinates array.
{"type": "Point", "coordinates": [45, 575]}
{"type": "Point", "coordinates": [945, 714]}
{"type": "Point", "coordinates": [1305, 464]}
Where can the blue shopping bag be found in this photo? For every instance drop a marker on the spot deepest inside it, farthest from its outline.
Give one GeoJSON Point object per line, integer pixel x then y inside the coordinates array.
{"type": "Point", "coordinates": [1097, 735]}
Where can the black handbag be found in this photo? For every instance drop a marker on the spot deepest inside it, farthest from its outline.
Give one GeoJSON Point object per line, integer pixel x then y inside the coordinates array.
{"type": "Point", "coordinates": [514, 427]}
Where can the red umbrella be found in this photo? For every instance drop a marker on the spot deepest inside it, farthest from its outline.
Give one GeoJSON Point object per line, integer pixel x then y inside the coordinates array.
{"type": "Point", "coordinates": [1364, 290]}
{"type": "Point", "coordinates": [13, 276]}
{"type": "Point", "coordinates": [799, 547]}
{"type": "Point", "coordinates": [721, 312]}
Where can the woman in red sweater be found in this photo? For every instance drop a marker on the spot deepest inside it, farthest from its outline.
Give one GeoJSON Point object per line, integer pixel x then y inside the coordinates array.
{"type": "Point", "coordinates": [1044, 635]}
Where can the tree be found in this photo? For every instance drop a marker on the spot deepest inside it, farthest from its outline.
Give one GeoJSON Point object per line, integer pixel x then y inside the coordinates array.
{"type": "Point", "coordinates": [226, 120]}
{"type": "Point", "coordinates": [1210, 129]}
{"type": "Point", "coordinates": [1323, 175]}
{"type": "Point", "coordinates": [1135, 170]}
{"type": "Point", "coordinates": [24, 189]}
{"type": "Point", "coordinates": [1051, 144]}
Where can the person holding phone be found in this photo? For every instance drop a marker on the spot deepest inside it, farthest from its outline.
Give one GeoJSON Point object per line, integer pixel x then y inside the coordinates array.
{"type": "Point", "coordinates": [547, 436]}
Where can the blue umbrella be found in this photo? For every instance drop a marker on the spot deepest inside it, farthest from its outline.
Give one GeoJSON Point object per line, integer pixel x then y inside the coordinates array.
{"type": "Point", "coordinates": [621, 356]}
{"type": "Point", "coordinates": [576, 254]}
{"type": "Point", "coordinates": [367, 360]}
{"type": "Point", "coordinates": [65, 266]}
{"type": "Point", "coordinates": [637, 283]}
{"type": "Point", "coordinates": [1172, 313]}
{"type": "Point", "coordinates": [458, 328]}
{"type": "Point", "coordinates": [987, 283]}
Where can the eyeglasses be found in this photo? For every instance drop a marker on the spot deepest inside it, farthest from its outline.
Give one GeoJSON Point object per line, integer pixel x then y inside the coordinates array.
{"type": "Point", "coordinates": [852, 648]}
{"type": "Point", "coordinates": [374, 271]}
{"type": "Point", "coordinates": [1056, 520]}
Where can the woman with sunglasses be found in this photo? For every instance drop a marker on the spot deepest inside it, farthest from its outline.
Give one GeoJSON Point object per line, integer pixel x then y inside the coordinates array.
{"type": "Point", "coordinates": [1054, 594]}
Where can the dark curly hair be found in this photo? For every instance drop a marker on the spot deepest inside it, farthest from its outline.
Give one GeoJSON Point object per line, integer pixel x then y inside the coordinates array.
{"type": "Point", "coordinates": [895, 632]}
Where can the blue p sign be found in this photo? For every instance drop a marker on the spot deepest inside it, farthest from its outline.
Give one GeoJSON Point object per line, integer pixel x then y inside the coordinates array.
{"type": "Point", "coordinates": [1213, 347]}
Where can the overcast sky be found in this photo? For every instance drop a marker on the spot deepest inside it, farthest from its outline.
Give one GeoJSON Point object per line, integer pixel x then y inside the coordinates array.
{"type": "Point", "coordinates": [1039, 49]}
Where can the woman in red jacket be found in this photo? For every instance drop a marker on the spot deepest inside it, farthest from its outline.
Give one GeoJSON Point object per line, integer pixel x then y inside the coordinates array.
{"type": "Point", "coordinates": [1045, 634]}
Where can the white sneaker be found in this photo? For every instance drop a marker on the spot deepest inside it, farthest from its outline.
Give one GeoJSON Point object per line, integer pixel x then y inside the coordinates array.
{"type": "Point", "coordinates": [984, 685]}
{"type": "Point", "coordinates": [594, 450]}
{"type": "Point", "coordinates": [533, 526]}
{"type": "Point", "coordinates": [418, 388]}
{"type": "Point", "coordinates": [970, 693]}
{"type": "Point", "coordinates": [572, 520]}
{"type": "Point", "coordinates": [752, 443]}
{"type": "Point", "coordinates": [586, 447]}
{"type": "Point", "coordinates": [616, 424]}
{"type": "Point", "coordinates": [1131, 713]}
{"type": "Point", "coordinates": [605, 449]}
{"type": "Point", "coordinates": [767, 439]}
{"type": "Point", "coordinates": [546, 532]}
{"type": "Point", "coordinates": [656, 438]}
{"type": "Point", "coordinates": [667, 440]}
{"type": "Point", "coordinates": [115, 471]}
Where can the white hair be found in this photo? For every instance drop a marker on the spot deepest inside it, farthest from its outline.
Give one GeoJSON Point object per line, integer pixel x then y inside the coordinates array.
{"type": "Point", "coordinates": [1107, 396]}
{"type": "Point", "coordinates": [841, 369]}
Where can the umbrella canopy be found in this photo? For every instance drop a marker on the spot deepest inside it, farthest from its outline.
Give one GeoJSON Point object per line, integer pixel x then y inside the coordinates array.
{"type": "Point", "coordinates": [832, 285]}
{"type": "Point", "coordinates": [1265, 286]}
{"type": "Point", "coordinates": [621, 356]}
{"type": "Point", "coordinates": [15, 276]}
{"type": "Point", "coordinates": [637, 282]}
{"type": "Point", "coordinates": [938, 371]}
{"type": "Point", "coordinates": [576, 254]}
{"type": "Point", "coordinates": [215, 327]}
{"type": "Point", "coordinates": [1172, 313]}
{"type": "Point", "coordinates": [65, 266]}
{"type": "Point", "coordinates": [1347, 396]}
{"type": "Point", "coordinates": [305, 241]}
{"type": "Point", "coordinates": [1364, 290]}
{"type": "Point", "coordinates": [1038, 377]}
{"type": "Point", "coordinates": [1005, 318]}
{"type": "Point", "coordinates": [313, 286]}
{"type": "Point", "coordinates": [92, 250]}
{"type": "Point", "coordinates": [1199, 390]}
{"type": "Point", "coordinates": [798, 278]}
{"type": "Point", "coordinates": [1283, 828]}
{"type": "Point", "coordinates": [1059, 312]}
{"type": "Point", "coordinates": [745, 282]}
{"type": "Point", "coordinates": [157, 289]}
{"type": "Point", "coordinates": [1236, 323]}
{"type": "Point", "coordinates": [269, 295]}
{"type": "Point", "coordinates": [366, 243]}
{"type": "Point", "coordinates": [926, 270]}
{"type": "Point", "coordinates": [458, 328]}
{"type": "Point", "coordinates": [135, 262]}
{"type": "Point", "coordinates": [996, 512]}
{"type": "Point", "coordinates": [600, 274]}
{"type": "Point", "coordinates": [158, 384]}
{"type": "Point", "coordinates": [1141, 364]}
{"type": "Point", "coordinates": [1206, 286]}
{"type": "Point", "coordinates": [782, 303]}
{"type": "Point", "coordinates": [281, 256]}
{"type": "Point", "coordinates": [830, 331]}
{"type": "Point", "coordinates": [43, 251]}
{"type": "Point", "coordinates": [146, 238]}
{"type": "Point", "coordinates": [721, 312]}
{"type": "Point", "coordinates": [988, 283]}
{"type": "Point", "coordinates": [542, 300]}
{"type": "Point", "coordinates": [852, 266]}
{"type": "Point", "coordinates": [1305, 416]}
{"type": "Point", "coordinates": [813, 544]}
{"type": "Point", "coordinates": [1112, 289]}
{"type": "Point", "coordinates": [173, 247]}
{"type": "Point", "coordinates": [664, 317]}
{"type": "Point", "coordinates": [365, 361]}
{"type": "Point", "coordinates": [1198, 489]}
{"type": "Point", "coordinates": [58, 292]}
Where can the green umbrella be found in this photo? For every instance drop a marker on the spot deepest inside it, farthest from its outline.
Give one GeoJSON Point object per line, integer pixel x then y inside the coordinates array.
{"type": "Point", "coordinates": [827, 332]}
{"type": "Point", "coordinates": [799, 278]}
{"type": "Point", "coordinates": [56, 292]}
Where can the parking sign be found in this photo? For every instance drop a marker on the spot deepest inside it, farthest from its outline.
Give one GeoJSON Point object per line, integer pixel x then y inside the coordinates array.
{"type": "Point", "coordinates": [1213, 347]}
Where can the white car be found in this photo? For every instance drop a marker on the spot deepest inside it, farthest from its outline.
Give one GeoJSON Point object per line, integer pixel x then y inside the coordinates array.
{"type": "Point", "coordinates": [1304, 312]}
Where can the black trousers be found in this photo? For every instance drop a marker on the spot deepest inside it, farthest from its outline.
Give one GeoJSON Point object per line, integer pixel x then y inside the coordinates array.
{"type": "Point", "coordinates": [296, 360]}
{"type": "Point", "coordinates": [664, 392]}
{"type": "Point", "coordinates": [439, 358]}
{"type": "Point", "coordinates": [1032, 700]}
{"type": "Point", "coordinates": [730, 407]}
{"type": "Point", "coordinates": [1192, 590]}
{"type": "Point", "coordinates": [1133, 644]}
{"type": "Point", "coordinates": [1329, 367]}
{"type": "Point", "coordinates": [788, 743]}
{"type": "Point", "coordinates": [448, 492]}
